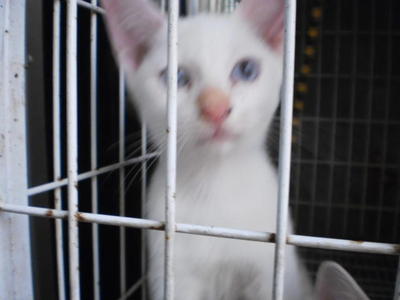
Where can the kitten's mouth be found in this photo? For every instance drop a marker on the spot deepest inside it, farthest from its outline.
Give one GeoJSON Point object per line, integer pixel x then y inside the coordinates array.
{"type": "Point", "coordinates": [218, 135]}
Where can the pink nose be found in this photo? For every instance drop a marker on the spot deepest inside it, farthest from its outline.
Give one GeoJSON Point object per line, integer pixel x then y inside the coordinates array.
{"type": "Point", "coordinates": [214, 105]}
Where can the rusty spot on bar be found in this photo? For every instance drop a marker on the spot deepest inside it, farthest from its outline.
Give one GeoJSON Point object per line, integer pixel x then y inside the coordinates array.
{"type": "Point", "coordinates": [158, 227]}
{"type": "Point", "coordinates": [272, 238]}
{"type": "Point", "coordinates": [49, 213]}
{"type": "Point", "coordinates": [397, 248]}
{"type": "Point", "coordinates": [358, 242]}
{"type": "Point", "coordinates": [79, 217]}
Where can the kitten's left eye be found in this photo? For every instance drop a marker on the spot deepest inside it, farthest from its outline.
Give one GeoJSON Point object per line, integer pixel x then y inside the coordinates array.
{"type": "Point", "coordinates": [183, 77]}
{"type": "Point", "coordinates": [246, 70]}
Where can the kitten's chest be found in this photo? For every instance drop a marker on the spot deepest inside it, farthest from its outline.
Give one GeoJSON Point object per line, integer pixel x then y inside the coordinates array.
{"type": "Point", "coordinates": [237, 193]}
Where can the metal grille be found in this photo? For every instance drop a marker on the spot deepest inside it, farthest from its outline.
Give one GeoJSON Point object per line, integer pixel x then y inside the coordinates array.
{"type": "Point", "coordinates": [333, 194]}
{"type": "Point", "coordinates": [345, 179]}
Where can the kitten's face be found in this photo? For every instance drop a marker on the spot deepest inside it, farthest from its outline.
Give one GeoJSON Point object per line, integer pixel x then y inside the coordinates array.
{"type": "Point", "coordinates": [230, 70]}
{"type": "Point", "coordinates": [228, 85]}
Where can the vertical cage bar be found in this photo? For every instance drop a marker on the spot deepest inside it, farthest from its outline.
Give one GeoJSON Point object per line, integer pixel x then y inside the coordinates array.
{"type": "Point", "coordinates": [122, 230]}
{"type": "Point", "coordinates": [93, 149]}
{"type": "Point", "coordinates": [57, 147]}
{"type": "Point", "coordinates": [143, 200]}
{"type": "Point", "coordinates": [15, 252]}
{"type": "Point", "coordinates": [285, 148]}
{"type": "Point", "coordinates": [72, 148]}
{"type": "Point", "coordinates": [173, 14]}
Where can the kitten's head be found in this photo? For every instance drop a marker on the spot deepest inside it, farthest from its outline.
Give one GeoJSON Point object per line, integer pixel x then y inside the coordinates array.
{"type": "Point", "coordinates": [334, 283]}
{"type": "Point", "coordinates": [229, 70]}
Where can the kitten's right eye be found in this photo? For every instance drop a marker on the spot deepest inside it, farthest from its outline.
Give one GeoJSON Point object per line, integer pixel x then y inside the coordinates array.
{"type": "Point", "coordinates": [183, 77]}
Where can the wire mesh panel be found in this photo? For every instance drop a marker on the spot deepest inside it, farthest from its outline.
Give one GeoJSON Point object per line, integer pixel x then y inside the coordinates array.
{"type": "Point", "coordinates": [345, 151]}
{"type": "Point", "coordinates": [345, 170]}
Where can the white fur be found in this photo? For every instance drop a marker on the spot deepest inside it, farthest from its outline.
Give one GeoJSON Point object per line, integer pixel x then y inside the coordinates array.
{"type": "Point", "coordinates": [230, 183]}
{"type": "Point", "coordinates": [334, 283]}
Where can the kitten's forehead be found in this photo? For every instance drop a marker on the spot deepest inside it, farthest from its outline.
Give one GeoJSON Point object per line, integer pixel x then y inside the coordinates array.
{"type": "Point", "coordinates": [215, 37]}
{"type": "Point", "coordinates": [211, 41]}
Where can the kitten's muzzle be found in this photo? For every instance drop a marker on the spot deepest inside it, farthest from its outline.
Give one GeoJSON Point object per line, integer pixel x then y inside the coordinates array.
{"type": "Point", "coordinates": [214, 105]}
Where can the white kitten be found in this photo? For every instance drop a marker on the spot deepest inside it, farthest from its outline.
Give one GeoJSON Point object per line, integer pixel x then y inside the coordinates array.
{"type": "Point", "coordinates": [334, 283]}
{"type": "Point", "coordinates": [229, 80]}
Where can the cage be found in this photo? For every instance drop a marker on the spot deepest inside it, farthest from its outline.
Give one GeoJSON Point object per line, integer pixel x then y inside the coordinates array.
{"type": "Point", "coordinates": [345, 157]}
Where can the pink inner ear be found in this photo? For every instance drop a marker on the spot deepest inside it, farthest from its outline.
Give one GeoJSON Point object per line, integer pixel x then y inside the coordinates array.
{"type": "Point", "coordinates": [131, 24]}
{"type": "Point", "coordinates": [267, 16]}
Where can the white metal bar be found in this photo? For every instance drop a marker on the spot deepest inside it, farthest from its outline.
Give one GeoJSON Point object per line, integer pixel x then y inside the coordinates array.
{"type": "Point", "coordinates": [285, 148]}
{"type": "Point", "coordinates": [122, 232]}
{"type": "Point", "coordinates": [133, 289]}
{"type": "Point", "coordinates": [173, 14]}
{"type": "Point", "coordinates": [57, 147]}
{"type": "Point", "coordinates": [143, 200]}
{"type": "Point", "coordinates": [63, 182]}
{"type": "Point", "coordinates": [248, 235]}
{"type": "Point", "coordinates": [93, 149]}
{"type": "Point", "coordinates": [93, 7]}
{"type": "Point", "coordinates": [72, 148]}
{"type": "Point", "coordinates": [15, 252]}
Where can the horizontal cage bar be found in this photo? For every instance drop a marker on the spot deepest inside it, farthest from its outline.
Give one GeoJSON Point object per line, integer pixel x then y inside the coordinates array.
{"type": "Point", "coordinates": [223, 232]}
{"type": "Point", "coordinates": [63, 182]}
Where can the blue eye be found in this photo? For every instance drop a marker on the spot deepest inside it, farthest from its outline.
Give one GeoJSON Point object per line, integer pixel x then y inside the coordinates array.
{"type": "Point", "coordinates": [183, 77]}
{"type": "Point", "coordinates": [246, 70]}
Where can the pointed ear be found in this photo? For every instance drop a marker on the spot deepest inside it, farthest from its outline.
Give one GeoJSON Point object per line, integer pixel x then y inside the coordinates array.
{"type": "Point", "coordinates": [334, 283]}
{"type": "Point", "coordinates": [267, 17]}
{"type": "Point", "coordinates": [131, 24]}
